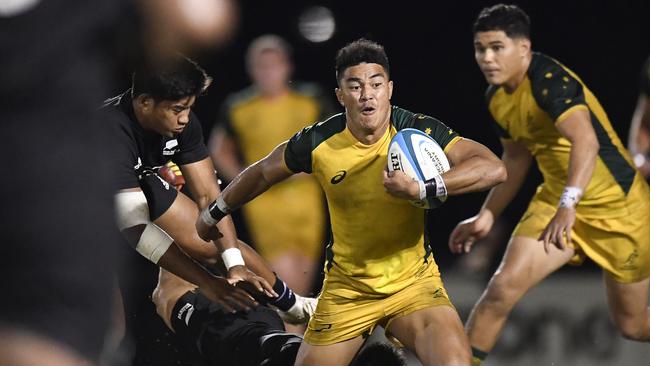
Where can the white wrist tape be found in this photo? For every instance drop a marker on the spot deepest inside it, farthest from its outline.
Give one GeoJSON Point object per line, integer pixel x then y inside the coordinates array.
{"type": "Point", "coordinates": [423, 189]}
{"type": "Point", "coordinates": [570, 197]}
{"type": "Point", "coordinates": [232, 257]}
{"type": "Point", "coordinates": [153, 242]}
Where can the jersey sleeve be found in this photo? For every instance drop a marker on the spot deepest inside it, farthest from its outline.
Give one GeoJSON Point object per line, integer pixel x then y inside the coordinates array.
{"type": "Point", "coordinates": [191, 142]}
{"type": "Point", "coordinates": [297, 154]}
{"type": "Point", "coordinates": [556, 91]}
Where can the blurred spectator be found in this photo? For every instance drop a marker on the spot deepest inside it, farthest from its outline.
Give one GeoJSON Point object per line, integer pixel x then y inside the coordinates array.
{"type": "Point", "coordinates": [283, 224]}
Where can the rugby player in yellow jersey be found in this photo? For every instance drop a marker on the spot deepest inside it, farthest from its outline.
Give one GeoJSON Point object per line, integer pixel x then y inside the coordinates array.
{"type": "Point", "coordinates": [592, 202]}
{"type": "Point", "coordinates": [379, 268]}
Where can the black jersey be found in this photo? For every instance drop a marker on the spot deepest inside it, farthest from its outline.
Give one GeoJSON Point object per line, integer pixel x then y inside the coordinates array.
{"type": "Point", "coordinates": [138, 149]}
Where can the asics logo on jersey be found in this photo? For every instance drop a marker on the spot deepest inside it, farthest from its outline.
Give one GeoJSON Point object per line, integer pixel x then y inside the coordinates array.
{"type": "Point", "coordinates": [340, 175]}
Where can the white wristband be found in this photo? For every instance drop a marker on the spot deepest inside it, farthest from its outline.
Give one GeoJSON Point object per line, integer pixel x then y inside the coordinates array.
{"type": "Point", "coordinates": [570, 197]}
{"type": "Point", "coordinates": [232, 257]}
{"type": "Point", "coordinates": [423, 190]}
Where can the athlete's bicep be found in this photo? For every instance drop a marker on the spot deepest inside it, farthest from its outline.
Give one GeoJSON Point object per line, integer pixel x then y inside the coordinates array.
{"type": "Point", "coordinates": [274, 166]}
{"type": "Point", "coordinates": [464, 149]}
{"type": "Point", "coordinates": [577, 125]}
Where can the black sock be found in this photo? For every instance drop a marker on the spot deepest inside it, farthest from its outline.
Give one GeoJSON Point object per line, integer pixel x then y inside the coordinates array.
{"type": "Point", "coordinates": [286, 298]}
{"type": "Point", "coordinates": [478, 356]}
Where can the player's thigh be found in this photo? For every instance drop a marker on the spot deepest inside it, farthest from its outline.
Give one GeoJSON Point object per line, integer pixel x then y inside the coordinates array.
{"type": "Point", "coordinates": [435, 328]}
{"type": "Point", "coordinates": [337, 354]}
{"type": "Point", "coordinates": [628, 302]}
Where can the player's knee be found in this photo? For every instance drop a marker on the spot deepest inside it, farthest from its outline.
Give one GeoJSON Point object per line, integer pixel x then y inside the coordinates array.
{"type": "Point", "coordinates": [503, 291]}
{"type": "Point", "coordinates": [459, 359]}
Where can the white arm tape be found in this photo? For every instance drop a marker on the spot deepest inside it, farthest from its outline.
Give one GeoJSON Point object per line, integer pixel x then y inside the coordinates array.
{"type": "Point", "coordinates": [232, 257]}
{"type": "Point", "coordinates": [153, 242]}
{"type": "Point", "coordinates": [570, 197]}
{"type": "Point", "coordinates": [131, 209]}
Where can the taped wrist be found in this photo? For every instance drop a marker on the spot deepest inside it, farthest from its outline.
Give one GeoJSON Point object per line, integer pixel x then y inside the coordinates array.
{"type": "Point", "coordinates": [435, 187]}
{"type": "Point", "coordinates": [570, 197]}
{"type": "Point", "coordinates": [286, 298]}
{"type": "Point", "coordinates": [232, 257]}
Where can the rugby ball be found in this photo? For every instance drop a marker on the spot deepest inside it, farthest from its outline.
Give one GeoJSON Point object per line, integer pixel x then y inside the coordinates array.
{"type": "Point", "coordinates": [420, 157]}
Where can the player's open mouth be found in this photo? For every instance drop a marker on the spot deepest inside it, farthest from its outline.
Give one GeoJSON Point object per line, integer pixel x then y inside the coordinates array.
{"type": "Point", "coordinates": [367, 111]}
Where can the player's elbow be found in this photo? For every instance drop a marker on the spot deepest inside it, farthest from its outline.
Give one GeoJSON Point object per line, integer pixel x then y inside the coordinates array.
{"type": "Point", "coordinates": [497, 172]}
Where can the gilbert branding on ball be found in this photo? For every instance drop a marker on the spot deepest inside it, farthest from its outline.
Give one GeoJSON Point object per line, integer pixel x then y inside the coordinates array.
{"type": "Point", "coordinates": [420, 157]}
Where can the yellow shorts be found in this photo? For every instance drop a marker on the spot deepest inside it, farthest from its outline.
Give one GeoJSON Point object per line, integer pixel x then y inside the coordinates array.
{"type": "Point", "coordinates": [288, 217]}
{"type": "Point", "coordinates": [620, 245]}
{"type": "Point", "coordinates": [339, 319]}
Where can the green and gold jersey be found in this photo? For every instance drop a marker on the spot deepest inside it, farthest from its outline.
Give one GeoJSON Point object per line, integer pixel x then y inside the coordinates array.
{"type": "Point", "coordinates": [378, 242]}
{"type": "Point", "coordinates": [529, 115]}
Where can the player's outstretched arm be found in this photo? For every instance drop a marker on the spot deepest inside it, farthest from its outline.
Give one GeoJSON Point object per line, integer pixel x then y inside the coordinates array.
{"type": "Point", "coordinates": [517, 161]}
{"type": "Point", "coordinates": [249, 184]}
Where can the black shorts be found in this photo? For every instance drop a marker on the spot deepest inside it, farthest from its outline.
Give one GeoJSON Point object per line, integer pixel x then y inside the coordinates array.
{"type": "Point", "coordinates": [243, 338]}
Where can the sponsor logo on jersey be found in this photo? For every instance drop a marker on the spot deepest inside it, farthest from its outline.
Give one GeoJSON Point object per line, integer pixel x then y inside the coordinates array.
{"type": "Point", "coordinates": [171, 147]}
{"type": "Point", "coordinates": [188, 309]}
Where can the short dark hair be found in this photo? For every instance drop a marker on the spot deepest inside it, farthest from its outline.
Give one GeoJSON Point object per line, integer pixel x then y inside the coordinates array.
{"type": "Point", "coordinates": [379, 354]}
{"type": "Point", "coordinates": [360, 51]}
{"type": "Point", "coordinates": [507, 18]}
{"type": "Point", "coordinates": [175, 79]}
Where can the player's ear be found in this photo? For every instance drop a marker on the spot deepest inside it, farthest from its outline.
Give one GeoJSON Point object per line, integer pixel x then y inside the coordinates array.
{"type": "Point", "coordinates": [390, 89]}
{"type": "Point", "coordinates": [144, 102]}
{"type": "Point", "coordinates": [339, 96]}
{"type": "Point", "coordinates": [524, 46]}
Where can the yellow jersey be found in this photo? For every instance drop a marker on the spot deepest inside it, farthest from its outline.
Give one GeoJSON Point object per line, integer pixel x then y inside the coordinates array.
{"type": "Point", "coordinates": [529, 115]}
{"type": "Point", "coordinates": [378, 241]}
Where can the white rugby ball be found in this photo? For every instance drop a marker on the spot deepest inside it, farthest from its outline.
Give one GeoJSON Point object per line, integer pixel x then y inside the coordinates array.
{"type": "Point", "coordinates": [420, 157]}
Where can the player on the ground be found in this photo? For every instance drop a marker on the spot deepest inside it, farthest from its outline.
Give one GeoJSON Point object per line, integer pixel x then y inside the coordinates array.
{"type": "Point", "coordinates": [592, 202]}
{"type": "Point", "coordinates": [380, 269]}
{"type": "Point", "coordinates": [256, 337]}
